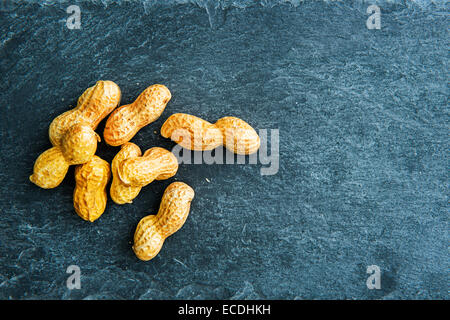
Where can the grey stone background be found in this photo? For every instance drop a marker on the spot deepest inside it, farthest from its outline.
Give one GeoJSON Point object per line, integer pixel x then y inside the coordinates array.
{"type": "Point", "coordinates": [363, 122]}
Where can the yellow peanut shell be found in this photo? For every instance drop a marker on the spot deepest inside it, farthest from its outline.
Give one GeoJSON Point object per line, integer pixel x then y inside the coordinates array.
{"type": "Point", "coordinates": [49, 169]}
{"type": "Point", "coordinates": [93, 105]}
{"type": "Point", "coordinates": [120, 192]}
{"type": "Point", "coordinates": [191, 132]}
{"type": "Point", "coordinates": [127, 120]}
{"type": "Point", "coordinates": [152, 230]}
{"type": "Point", "coordinates": [194, 133]}
{"type": "Point", "coordinates": [79, 144]}
{"type": "Point", "coordinates": [73, 134]}
{"type": "Point", "coordinates": [238, 136]}
{"type": "Point", "coordinates": [51, 166]}
{"type": "Point", "coordinates": [156, 163]}
{"type": "Point", "coordinates": [89, 197]}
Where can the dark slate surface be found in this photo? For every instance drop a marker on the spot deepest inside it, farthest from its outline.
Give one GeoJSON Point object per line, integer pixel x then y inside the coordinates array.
{"type": "Point", "coordinates": [363, 123]}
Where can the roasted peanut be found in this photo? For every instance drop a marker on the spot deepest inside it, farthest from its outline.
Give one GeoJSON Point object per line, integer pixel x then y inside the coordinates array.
{"type": "Point", "coordinates": [120, 192]}
{"type": "Point", "coordinates": [78, 146]}
{"type": "Point", "coordinates": [191, 132]}
{"type": "Point", "coordinates": [156, 163]}
{"type": "Point", "coordinates": [152, 230]}
{"type": "Point", "coordinates": [194, 133]}
{"type": "Point", "coordinates": [127, 120]}
{"type": "Point", "coordinates": [131, 171]}
{"type": "Point", "coordinates": [49, 169]}
{"type": "Point", "coordinates": [93, 106]}
{"type": "Point", "coordinates": [239, 137]}
{"type": "Point", "coordinates": [72, 133]}
{"type": "Point", "coordinates": [89, 197]}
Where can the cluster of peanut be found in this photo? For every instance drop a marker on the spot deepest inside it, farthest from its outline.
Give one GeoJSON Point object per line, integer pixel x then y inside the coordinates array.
{"type": "Point", "coordinates": [74, 141]}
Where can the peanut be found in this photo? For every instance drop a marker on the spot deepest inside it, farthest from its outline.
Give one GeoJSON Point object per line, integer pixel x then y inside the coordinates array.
{"type": "Point", "coordinates": [194, 133]}
{"type": "Point", "coordinates": [127, 120]}
{"type": "Point", "coordinates": [239, 136]}
{"type": "Point", "coordinates": [93, 106]}
{"type": "Point", "coordinates": [120, 192]}
{"type": "Point", "coordinates": [156, 163]}
{"type": "Point", "coordinates": [78, 146]}
{"type": "Point", "coordinates": [49, 169]}
{"type": "Point", "coordinates": [89, 197]}
{"type": "Point", "coordinates": [191, 132]}
{"type": "Point", "coordinates": [131, 171]}
{"type": "Point", "coordinates": [72, 133]}
{"type": "Point", "coordinates": [152, 230]}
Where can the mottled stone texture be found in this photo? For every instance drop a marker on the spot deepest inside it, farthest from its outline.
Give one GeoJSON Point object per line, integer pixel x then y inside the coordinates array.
{"type": "Point", "coordinates": [363, 122]}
